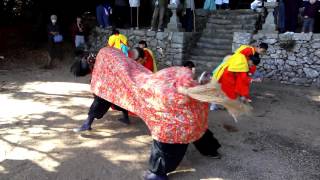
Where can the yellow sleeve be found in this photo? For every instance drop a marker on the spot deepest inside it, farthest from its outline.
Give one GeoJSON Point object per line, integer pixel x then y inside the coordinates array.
{"type": "Point", "coordinates": [111, 41]}
{"type": "Point", "coordinates": [238, 63]}
{"type": "Point", "coordinates": [235, 63]}
{"type": "Point", "coordinates": [124, 39]}
{"type": "Point", "coordinates": [218, 72]}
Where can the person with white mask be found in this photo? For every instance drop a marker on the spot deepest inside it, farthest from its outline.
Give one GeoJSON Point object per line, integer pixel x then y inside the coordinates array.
{"type": "Point", "coordinates": [54, 41]}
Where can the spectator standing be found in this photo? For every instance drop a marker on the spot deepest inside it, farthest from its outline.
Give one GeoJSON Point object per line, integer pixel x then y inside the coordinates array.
{"type": "Point", "coordinates": [309, 14]}
{"type": "Point", "coordinates": [104, 12]}
{"type": "Point", "coordinates": [55, 40]}
{"type": "Point", "coordinates": [282, 17]}
{"type": "Point", "coordinates": [292, 12]}
{"type": "Point", "coordinates": [134, 5]}
{"type": "Point", "coordinates": [78, 33]}
{"type": "Point", "coordinates": [158, 15]}
{"type": "Point", "coordinates": [189, 8]}
{"type": "Point", "coordinates": [121, 12]}
{"type": "Point", "coordinates": [210, 5]}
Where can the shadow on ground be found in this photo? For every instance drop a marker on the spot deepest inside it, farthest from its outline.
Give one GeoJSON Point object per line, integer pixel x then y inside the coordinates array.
{"type": "Point", "coordinates": [280, 140]}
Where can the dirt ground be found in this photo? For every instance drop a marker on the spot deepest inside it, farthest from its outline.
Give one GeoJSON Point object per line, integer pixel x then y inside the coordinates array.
{"type": "Point", "coordinates": [39, 108]}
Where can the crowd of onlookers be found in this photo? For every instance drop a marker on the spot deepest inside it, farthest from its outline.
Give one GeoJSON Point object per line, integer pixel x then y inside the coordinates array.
{"type": "Point", "coordinates": [117, 14]}
{"type": "Point", "coordinates": [110, 15]}
{"type": "Point", "coordinates": [55, 38]}
{"type": "Point", "coordinates": [289, 13]}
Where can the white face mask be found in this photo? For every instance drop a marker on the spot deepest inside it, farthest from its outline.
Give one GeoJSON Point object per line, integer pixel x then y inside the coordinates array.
{"type": "Point", "coordinates": [53, 21]}
{"type": "Point", "coordinates": [193, 70]}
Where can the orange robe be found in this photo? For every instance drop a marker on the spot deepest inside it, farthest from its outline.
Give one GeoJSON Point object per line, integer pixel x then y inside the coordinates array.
{"type": "Point", "coordinates": [233, 76]}
{"type": "Point", "coordinates": [235, 84]}
{"type": "Point", "coordinates": [149, 61]}
{"type": "Point", "coordinates": [252, 69]}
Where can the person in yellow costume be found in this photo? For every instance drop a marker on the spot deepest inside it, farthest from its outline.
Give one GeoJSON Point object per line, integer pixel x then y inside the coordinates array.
{"type": "Point", "coordinates": [117, 39]}
{"type": "Point", "coordinates": [232, 73]}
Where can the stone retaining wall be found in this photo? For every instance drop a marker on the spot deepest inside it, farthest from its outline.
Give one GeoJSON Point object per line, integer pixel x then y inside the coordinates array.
{"type": "Point", "coordinates": [291, 59]}
{"type": "Point", "coordinates": [170, 48]}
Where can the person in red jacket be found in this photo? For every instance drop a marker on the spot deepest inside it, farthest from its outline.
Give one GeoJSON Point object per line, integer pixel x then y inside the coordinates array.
{"type": "Point", "coordinates": [78, 33]}
{"type": "Point", "coordinates": [150, 62]}
{"type": "Point", "coordinates": [233, 75]}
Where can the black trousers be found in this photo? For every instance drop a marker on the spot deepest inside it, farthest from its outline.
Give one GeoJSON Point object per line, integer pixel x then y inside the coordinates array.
{"type": "Point", "coordinates": [55, 50]}
{"type": "Point", "coordinates": [189, 20]}
{"type": "Point", "coordinates": [223, 6]}
{"type": "Point", "coordinates": [120, 16]}
{"type": "Point", "coordinates": [291, 19]}
{"type": "Point", "coordinates": [165, 158]}
{"type": "Point", "coordinates": [100, 107]}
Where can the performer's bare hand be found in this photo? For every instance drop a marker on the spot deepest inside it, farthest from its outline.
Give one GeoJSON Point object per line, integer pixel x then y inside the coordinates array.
{"type": "Point", "coordinates": [259, 80]}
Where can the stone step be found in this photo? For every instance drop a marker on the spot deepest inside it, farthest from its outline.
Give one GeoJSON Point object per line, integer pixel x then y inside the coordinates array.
{"type": "Point", "coordinates": [232, 27]}
{"type": "Point", "coordinates": [216, 59]}
{"type": "Point", "coordinates": [210, 52]}
{"type": "Point", "coordinates": [217, 35]}
{"type": "Point", "coordinates": [233, 21]}
{"type": "Point", "coordinates": [232, 31]}
{"type": "Point", "coordinates": [214, 41]}
{"type": "Point", "coordinates": [221, 46]}
{"type": "Point", "coordinates": [234, 12]}
{"type": "Point", "coordinates": [219, 21]}
{"type": "Point", "coordinates": [244, 17]}
{"type": "Point", "coordinates": [214, 31]}
{"type": "Point", "coordinates": [229, 21]}
{"type": "Point", "coordinates": [205, 65]}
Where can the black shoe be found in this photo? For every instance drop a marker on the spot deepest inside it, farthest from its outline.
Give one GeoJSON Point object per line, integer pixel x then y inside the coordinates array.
{"type": "Point", "coordinates": [151, 176]}
{"type": "Point", "coordinates": [83, 128]}
{"type": "Point", "coordinates": [124, 120]}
